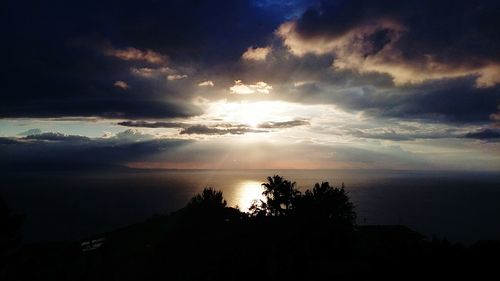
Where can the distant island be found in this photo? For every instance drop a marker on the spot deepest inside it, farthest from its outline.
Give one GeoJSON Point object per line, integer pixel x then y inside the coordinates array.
{"type": "Point", "coordinates": [291, 235]}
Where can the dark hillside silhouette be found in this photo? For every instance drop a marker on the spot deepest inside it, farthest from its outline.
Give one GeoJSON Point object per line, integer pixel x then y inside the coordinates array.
{"type": "Point", "coordinates": [288, 236]}
{"type": "Point", "coordinates": [10, 224]}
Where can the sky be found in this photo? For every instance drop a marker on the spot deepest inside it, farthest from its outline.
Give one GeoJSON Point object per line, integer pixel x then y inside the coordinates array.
{"type": "Point", "coordinates": [263, 84]}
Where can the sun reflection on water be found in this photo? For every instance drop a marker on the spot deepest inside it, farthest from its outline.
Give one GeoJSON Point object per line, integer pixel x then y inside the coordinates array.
{"type": "Point", "coordinates": [247, 192]}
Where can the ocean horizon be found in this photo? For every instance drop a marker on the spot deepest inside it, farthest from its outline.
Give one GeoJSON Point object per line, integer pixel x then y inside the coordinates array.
{"type": "Point", "coordinates": [460, 206]}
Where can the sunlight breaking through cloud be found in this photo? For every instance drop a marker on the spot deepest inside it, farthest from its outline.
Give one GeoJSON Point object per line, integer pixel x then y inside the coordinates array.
{"type": "Point", "coordinates": [246, 89]}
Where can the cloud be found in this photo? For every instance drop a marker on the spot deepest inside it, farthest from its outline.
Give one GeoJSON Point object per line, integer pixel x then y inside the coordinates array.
{"type": "Point", "coordinates": [256, 54]}
{"type": "Point", "coordinates": [76, 154]}
{"type": "Point", "coordinates": [51, 136]}
{"type": "Point", "coordinates": [224, 129]}
{"type": "Point", "coordinates": [92, 95]}
{"type": "Point", "coordinates": [300, 46]}
{"type": "Point", "coordinates": [148, 72]}
{"type": "Point", "coordinates": [403, 135]}
{"type": "Point", "coordinates": [283, 125]}
{"type": "Point", "coordinates": [157, 73]}
{"type": "Point", "coordinates": [452, 100]}
{"type": "Point", "coordinates": [343, 55]}
{"type": "Point", "coordinates": [495, 117]}
{"type": "Point", "coordinates": [29, 132]}
{"type": "Point", "coordinates": [485, 134]}
{"type": "Point", "coordinates": [115, 152]}
{"type": "Point", "coordinates": [133, 54]}
{"type": "Point", "coordinates": [106, 108]}
{"type": "Point", "coordinates": [206, 83]}
{"type": "Point", "coordinates": [121, 84]}
{"type": "Point", "coordinates": [145, 124]}
{"type": "Point", "coordinates": [215, 129]}
{"type": "Point", "coordinates": [87, 45]}
{"type": "Point", "coordinates": [357, 51]}
{"type": "Point", "coordinates": [381, 36]}
{"type": "Point", "coordinates": [489, 75]}
{"type": "Point", "coordinates": [244, 89]}
{"type": "Point", "coordinates": [132, 135]}
{"type": "Point", "coordinates": [176, 77]}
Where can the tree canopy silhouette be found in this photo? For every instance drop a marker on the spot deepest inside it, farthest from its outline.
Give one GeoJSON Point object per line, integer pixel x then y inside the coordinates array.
{"type": "Point", "coordinates": [209, 198]}
{"type": "Point", "coordinates": [323, 202]}
{"type": "Point", "coordinates": [326, 202]}
{"type": "Point", "coordinates": [210, 206]}
{"type": "Point", "coordinates": [280, 194]}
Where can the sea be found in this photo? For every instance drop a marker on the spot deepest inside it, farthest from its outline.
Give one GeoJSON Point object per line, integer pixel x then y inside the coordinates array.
{"type": "Point", "coordinates": [460, 206]}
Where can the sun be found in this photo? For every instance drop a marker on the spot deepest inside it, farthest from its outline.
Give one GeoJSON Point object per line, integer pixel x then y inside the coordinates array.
{"type": "Point", "coordinates": [250, 113]}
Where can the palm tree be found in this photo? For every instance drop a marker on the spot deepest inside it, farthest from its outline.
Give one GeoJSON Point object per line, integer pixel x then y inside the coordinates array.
{"type": "Point", "coordinates": [280, 194]}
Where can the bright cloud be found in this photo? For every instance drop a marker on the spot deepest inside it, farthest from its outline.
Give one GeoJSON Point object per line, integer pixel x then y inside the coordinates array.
{"type": "Point", "coordinates": [207, 83]}
{"type": "Point", "coordinates": [121, 84]}
{"type": "Point", "coordinates": [160, 72]}
{"type": "Point", "coordinates": [133, 54]}
{"type": "Point", "coordinates": [260, 113]}
{"type": "Point", "coordinates": [148, 72]}
{"type": "Point", "coordinates": [246, 89]}
{"type": "Point", "coordinates": [176, 77]}
{"type": "Point", "coordinates": [256, 54]}
{"type": "Point", "coordinates": [355, 50]}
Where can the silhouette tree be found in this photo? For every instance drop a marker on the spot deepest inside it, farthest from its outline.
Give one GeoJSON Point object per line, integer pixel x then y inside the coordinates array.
{"type": "Point", "coordinates": [209, 206]}
{"type": "Point", "coordinates": [280, 194]}
{"type": "Point", "coordinates": [208, 199]}
{"type": "Point", "coordinates": [258, 209]}
{"type": "Point", "coordinates": [326, 202]}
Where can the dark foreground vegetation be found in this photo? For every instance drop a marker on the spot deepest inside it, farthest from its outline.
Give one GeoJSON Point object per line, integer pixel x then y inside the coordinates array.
{"type": "Point", "coordinates": [291, 236]}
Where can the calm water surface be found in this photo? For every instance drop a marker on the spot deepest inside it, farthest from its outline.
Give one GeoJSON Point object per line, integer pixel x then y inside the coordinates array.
{"type": "Point", "coordinates": [461, 206]}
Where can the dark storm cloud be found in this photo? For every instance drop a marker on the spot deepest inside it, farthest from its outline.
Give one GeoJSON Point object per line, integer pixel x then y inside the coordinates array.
{"type": "Point", "coordinates": [64, 58]}
{"type": "Point", "coordinates": [282, 125]}
{"type": "Point", "coordinates": [218, 130]}
{"type": "Point", "coordinates": [449, 100]}
{"type": "Point", "coordinates": [485, 134]}
{"type": "Point", "coordinates": [452, 30]}
{"type": "Point", "coordinates": [55, 151]}
{"type": "Point", "coordinates": [157, 124]}
{"type": "Point", "coordinates": [442, 58]}
{"type": "Point", "coordinates": [107, 107]}
{"type": "Point", "coordinates": [455, 101]}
